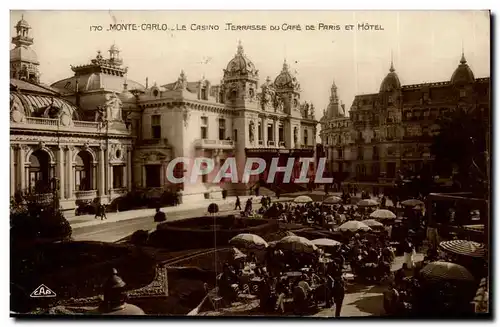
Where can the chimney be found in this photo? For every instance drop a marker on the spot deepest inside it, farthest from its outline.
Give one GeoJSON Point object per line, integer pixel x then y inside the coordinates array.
{"type": "Point", "coordinates": [147, 82]}
{"type": "Point", "coordinates": [77, 94]}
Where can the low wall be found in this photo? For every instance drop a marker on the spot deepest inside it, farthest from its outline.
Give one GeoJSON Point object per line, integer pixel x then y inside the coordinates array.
{"type": "Point", "coordinates": [198, 233]}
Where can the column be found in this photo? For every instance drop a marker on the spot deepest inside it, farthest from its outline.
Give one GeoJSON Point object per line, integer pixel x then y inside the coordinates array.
{"type": "Point", "coordinates": [70, 172]}
{"type": "Point", "coordinates": [12, 171]}
{"type": "Point", "coordinates": [22, 171]}
{"type": "Point", "coordinates": [264, 131]}
{"type": "Point", "coordinates": [144, 176]}
{"type": "Point", "coordinates": [110, 174]}
{"type": "Point", "coordinates": [60, 171]}
{"type": "Point", "coordinates": [101, 187]}
{"type": "Point", "coordinates": [94, 176]}
{"type": "Point", "coordinates": [129, 168]}
{"type": "Point", "coordinates": [276, 132]}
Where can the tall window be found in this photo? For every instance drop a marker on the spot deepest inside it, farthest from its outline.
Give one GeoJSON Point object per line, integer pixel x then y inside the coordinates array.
{"type": "Point", "coordinates": [391, 169]}
{"type": "Point", "coordinates": [259, 132]}
{"type": "Point", "coordinates": [156, 126]}
{"type": "Point", "coordinates": [222, 129]}
{"type": "Point", "coordinates": [270, 134]}
{"type": "Point", "coordinates": [360, 153]}
{"type": "Point", "coordinates": [306, 132]}
{"type": "Point", "coordinates": [340, 153]}
{"type": "Point", "coordinates": [118, 176]}
{"type": "Point", "coordinates": [204, 128]}
{"type": "Point", "coordinates": [235, 135]}
{"type": "Point", "coordinates": [375, 153]}
{"type": "Point", "coordinates": [204, 93]}
{"type": "Point", "coordinates": [281, 133]}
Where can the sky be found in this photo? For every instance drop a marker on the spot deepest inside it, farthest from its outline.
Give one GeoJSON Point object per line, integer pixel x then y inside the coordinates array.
{"type": "Point", "coordinates": [425, 46]}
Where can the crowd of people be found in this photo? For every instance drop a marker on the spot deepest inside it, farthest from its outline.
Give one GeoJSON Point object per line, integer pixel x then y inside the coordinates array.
{"type": "Point", "coordinates": [310, 279]}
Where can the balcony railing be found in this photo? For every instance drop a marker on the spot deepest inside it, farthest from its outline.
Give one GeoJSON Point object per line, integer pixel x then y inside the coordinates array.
{"type": "Point", "coordinates": [157, 142]}
{"type": "Point", "coordinates": [214, 144]}
{"type": "Point", "coordinates": [305, 146]}
{"type": "Point", "coordinates": [86, 124]}
{"type": "Point", "coordinates": [119, 191]}
{"type": "Point", "coordinates": [86, 195]}
{"type": "Point", "coordinates": [55, 122]}
{"type": "Point", "coordinates": [42, 121]}
{"type": "Point", "coordinates": [282, 144]}
{"type": "Point", "coordinates": [261, 142]}
{"type": "Point", "coordinates": [270, 143]}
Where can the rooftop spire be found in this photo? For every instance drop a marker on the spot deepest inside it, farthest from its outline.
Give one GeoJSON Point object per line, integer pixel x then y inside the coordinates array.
{"type": "Point", "coordinates": [392, 64]}
{"type": "Point", "coordinates": [285, 66]}
{"type": "Point", "coordinates": [462, 60]}
{"type": "Point", "coordinates": [240, 48]}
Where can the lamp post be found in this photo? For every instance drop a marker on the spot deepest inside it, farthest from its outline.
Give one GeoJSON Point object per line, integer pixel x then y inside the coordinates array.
{"type": "Point", "coordinates": [55, 192]}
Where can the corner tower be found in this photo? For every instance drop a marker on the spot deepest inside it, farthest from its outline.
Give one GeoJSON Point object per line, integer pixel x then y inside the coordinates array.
{"type": "Point", "coordinates": [24, 60]}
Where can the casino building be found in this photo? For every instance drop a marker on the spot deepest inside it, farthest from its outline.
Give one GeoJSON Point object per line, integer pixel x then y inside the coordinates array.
{"type": "Point", "coordinates": [391, 130]}
{"type": "Point", "coordinates": [101, 134]}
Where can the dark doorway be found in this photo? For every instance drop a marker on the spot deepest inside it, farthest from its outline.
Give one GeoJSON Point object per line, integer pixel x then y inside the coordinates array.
{"type": "Point", "coordinates": [153, 175]}
{"type": "Point", "coordinates": [39, 172]}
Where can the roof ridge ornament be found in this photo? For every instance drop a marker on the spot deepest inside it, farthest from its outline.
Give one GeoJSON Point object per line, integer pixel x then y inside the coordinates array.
{"type": "Point", "coordinates": [462, 60]}
{"type": "Point", "coordinates": [240, 49]}
{"type": "Point", "coordinates": [392, 70]}
{"type": "Point", "coordinates": [285, 66]}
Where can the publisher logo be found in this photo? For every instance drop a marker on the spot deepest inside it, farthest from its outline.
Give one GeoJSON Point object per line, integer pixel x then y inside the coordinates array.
{"type": "Point", "coordinates": [43, 291]}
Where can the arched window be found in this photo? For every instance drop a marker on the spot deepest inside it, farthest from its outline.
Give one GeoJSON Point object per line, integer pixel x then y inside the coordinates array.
{"type": "Point", "coordinates": [83, 171]}
{"type": "Point", "coordinates": [39, 172]}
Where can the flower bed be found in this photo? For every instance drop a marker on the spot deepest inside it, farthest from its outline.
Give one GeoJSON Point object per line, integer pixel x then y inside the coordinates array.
{"type": "Point", "coordinates": [207, 232]}
{"type": "Point", "coordinates": [74, 270]}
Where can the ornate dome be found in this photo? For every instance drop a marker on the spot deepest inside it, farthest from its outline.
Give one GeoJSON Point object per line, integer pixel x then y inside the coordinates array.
{"type": "Point", "coordinates": [285, 80]}
{"type": "Point", "coordinates": [463, 74]}
{"type": "Point", "coordinates": [23, 23]}
{"type": "Point", "coordinates": [34, 100]}
{"type": "Point", "coordinates": [391, 81]}
{"type": "Point", "coordinates": [23, 54]}
{"type": "Point", "coordinates": [240, 65]}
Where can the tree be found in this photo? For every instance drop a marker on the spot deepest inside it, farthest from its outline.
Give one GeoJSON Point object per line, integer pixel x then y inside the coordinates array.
{"type": "Point", "coordinates": [460, 148]}
{"type": "Point", "coordinates": [36, 216]}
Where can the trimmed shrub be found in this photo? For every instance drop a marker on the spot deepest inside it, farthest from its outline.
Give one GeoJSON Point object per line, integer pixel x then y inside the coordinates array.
{"type": "Point", "coordinates": [139, 237]}
{"type": "Point", "coordinates": [33, 219]}
{"type": "Point", "coordinates": [197, 233]}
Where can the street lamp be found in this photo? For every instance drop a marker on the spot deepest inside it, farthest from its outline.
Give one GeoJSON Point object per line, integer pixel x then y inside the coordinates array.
{"type": "Point", "coordinates": [55, 192]}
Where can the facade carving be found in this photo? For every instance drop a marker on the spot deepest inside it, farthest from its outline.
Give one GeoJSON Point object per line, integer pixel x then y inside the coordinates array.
{"type": "Point", "coordinates": [83, 125]}
{"type": "Point", "coordinates": [392, 130]}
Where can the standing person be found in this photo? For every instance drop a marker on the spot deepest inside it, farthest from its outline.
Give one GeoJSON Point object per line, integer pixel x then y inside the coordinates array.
{"type": "Point", "coordinates": [102, 211]}
{"type": "Point", "coordinates": [338, 294]}
{"type": "Point", "coordinates": [263, 202]}
{"type": "Point", "coordinates": [248, 205]}
{"type": "Point", "coordinates": [237, 205]}
{"type": "Point", "coordinates": [383, 201]}
{"type": "Point", "coordinates": [98, 209]}
{"type": "Point", "coordinates": [160, 216]}
{"type": "Point", "coordinates": [409, 250]}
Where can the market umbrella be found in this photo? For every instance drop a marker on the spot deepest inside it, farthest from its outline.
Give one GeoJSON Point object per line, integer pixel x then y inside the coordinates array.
{"type": "Point", "coordinates": [326, 242]}
{"type": "Point", "coordinates": [296, 244]}
{"type": "Point", "coordinates": [302, 199]}
{"type": "Point", "coordinates": [412, 203]}
{"type": "Point", "coordinates": [354, 226]}
{"type": "Point", "coordinates": [442, 270]}
{"type": "Point", "coordinates": [372, 223]}
{"type": "Point", "coordinates": [248, 241]}
{"type": "Point", "coordinates": [367, 203]}
{"type": "Point", "coordinates": [464, 247]}
{"type": "Point", "coordinates": [383, 214]}
{"type": "Point", "coordinates": [237, 254]}
{"type": "Point", "coordinates": [272, 244]}
{"type": "Point", "coordinates": [332, 200]}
